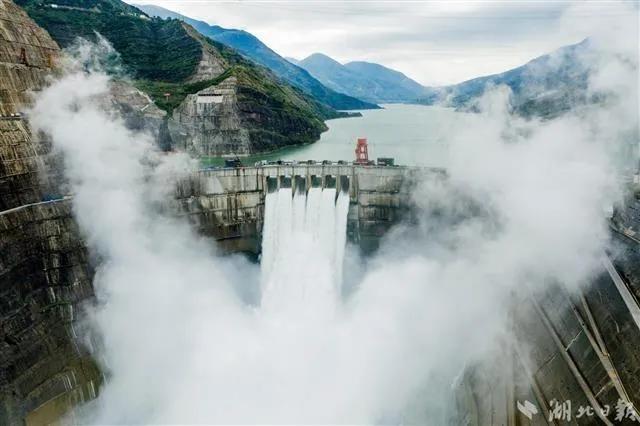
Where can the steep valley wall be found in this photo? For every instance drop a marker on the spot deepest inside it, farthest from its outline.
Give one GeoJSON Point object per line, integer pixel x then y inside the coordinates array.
{"type": "Point", "coordinates": [567, 349]}
{"type": "Point", "coordinates": [45, 277]}
{"type": "Point", "coordinates": [568, 342]}
{"type": "Point", "coordinates": [44, 272]}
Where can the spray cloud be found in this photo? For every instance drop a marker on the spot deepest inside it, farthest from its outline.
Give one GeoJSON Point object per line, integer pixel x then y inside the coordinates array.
{"type": "Point", "coordinates": [523, 206]}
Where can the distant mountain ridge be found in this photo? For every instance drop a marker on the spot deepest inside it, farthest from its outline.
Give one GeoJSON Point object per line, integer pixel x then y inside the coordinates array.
{"type": "Point", "coordinates": [254, 49]}
{"type": "Point", "coordinates": [365, 80]}
{"type": "Point", "coordinates": [217, 102]}
{"type": "Point", "coordinates": [384, 74]}
{"type": "Point", "coordinates": [545, 86]}
{"type": "Point", "coordinates": [356, 85]}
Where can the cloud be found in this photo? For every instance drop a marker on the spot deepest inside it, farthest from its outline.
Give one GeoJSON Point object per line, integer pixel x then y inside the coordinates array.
{"type": "Point", "coordinates": [432, 42]}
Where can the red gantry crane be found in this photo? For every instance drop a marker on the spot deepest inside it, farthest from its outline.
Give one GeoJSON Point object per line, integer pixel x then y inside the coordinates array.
{"type": "Point", "coordinates": [362, 152]}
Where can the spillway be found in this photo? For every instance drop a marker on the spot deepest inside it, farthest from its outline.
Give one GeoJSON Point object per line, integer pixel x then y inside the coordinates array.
{"type": "Point", "coordinates": [303, 247]}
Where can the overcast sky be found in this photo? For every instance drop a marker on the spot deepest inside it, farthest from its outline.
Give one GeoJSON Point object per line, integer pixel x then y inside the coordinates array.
{"type": "Point", "coordinates": [433, 42]}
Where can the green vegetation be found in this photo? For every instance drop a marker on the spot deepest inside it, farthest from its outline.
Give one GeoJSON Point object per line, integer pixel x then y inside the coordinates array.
{"type": "Point", "coordinates": [151, 49]}
{"type": "Point", "coordinates": [262, 80]}
{"type": "Point", "coordinates": [254, 49]}
{"type": "Point", "coordinates": [110, 6]}
{"type": "Point", "coordinates": [160, 56]}
{"type": "Point", "coordinates": [272, 107]}
{"type": "Point", "coordinates": [178, 91]}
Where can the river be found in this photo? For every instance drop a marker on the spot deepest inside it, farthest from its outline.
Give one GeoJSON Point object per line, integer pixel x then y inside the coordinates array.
{"type": "Point", "coordinates": [411, 134]}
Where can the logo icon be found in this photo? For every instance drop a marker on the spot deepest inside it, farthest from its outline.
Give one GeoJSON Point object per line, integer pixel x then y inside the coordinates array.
{"type": "Point", "coordinates": [528, 409]}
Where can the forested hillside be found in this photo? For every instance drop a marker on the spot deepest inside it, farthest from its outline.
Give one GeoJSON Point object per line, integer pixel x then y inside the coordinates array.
{"type": "Point", "coordinates": [169, 60]}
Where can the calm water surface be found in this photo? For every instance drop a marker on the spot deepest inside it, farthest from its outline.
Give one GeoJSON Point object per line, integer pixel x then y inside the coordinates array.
{"type": "Point", "coordinates": [411, 134]}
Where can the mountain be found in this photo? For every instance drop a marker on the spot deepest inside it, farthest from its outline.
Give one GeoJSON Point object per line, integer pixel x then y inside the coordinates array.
{"type": "Point", "coordinates": [545, 86]}
{"type": "Point", "coordinates": [223, 102]}
{"type": "Point", "coordinates": [364, 80]}
{"type": "Point", "coordinates": [254, 49]}
{"type": "Point", "coordinates": [405, 87]}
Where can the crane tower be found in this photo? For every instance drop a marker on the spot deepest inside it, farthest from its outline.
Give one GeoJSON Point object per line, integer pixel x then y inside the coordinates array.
{"type": "Point", "coordinates": [362, 152]}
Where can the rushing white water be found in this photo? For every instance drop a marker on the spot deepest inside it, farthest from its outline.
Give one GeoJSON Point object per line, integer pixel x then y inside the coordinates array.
{"type": "Point", "coordinates": [342, 210]}
{"type": "Point", "coordinates": [303, 229]}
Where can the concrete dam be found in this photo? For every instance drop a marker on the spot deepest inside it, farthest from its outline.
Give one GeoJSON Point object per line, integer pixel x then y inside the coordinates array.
{"type": "Point", "coordinates": [229, 204]}
{"type": "Point", "coordinates": [46, 270]}
{"type": "Point", "coordinates": [572, 347]}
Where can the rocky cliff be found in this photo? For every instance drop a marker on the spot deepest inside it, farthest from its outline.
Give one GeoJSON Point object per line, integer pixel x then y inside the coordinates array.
{"type": "Point", "coordinates": [175, 65]}
{"type": "Point", "coordinates": [255, 50]}
{"type": "Point", "coordinates": [138, 110]}
{"type": "Point", "coordinates": [546, 86]}
{"type": "Point", "coordinates": [208, 123]}
{"type": "Point", "coordinates": [568, 348]}
{"type": "Point", "coordinates": [27, 55]}
{"type": "Point", "coordinates": [44, 270]}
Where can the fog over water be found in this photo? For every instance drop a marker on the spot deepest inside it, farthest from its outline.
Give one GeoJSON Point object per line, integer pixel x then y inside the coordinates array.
{"type": "Point", "coordinates": [523, 207]}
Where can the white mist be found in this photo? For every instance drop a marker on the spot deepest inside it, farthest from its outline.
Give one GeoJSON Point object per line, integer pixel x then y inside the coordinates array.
{"type": "Point", "coordinates": [179, 346]}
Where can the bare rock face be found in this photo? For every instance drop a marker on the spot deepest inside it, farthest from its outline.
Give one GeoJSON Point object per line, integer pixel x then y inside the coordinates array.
{"type": "Point", "coordinates": [44, 268]}
{"type": "Point", "coordinates": [27, 57]}
{"type": "Point", "coordinates": [138, 110]}
{"type": "Point", "coordinates": [44, 279]}
{"type": "Point", "coordinates": [211, 65]}
{"type": "Point", "coordinates": [208, 123]}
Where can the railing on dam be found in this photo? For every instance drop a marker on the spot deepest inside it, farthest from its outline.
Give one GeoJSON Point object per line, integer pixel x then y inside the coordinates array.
{"type": "Point", "coordinates": [345, 177]}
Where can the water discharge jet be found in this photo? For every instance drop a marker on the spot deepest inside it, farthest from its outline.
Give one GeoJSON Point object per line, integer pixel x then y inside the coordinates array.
{"type": "Point", "coordinates": [303, 228]}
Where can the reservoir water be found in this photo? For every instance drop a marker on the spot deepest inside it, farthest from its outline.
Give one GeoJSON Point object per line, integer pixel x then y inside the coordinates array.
{"type": "Point", "coordinates": [411, 134]}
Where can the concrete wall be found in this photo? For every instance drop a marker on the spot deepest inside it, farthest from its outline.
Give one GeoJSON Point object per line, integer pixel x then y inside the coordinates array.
{"type": "Point", "coordinates": [44, 279]}
{"type": "Point", "coordinates": [581, 346]}
{"type": "Point", "coordinates": [44, 272]}
{"type": "Point", "coordinates": [228, 204]}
